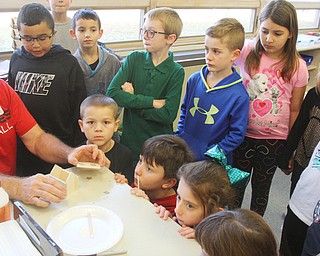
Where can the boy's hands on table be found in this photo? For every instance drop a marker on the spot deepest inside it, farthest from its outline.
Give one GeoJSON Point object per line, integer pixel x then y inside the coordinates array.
{"type": "Point", "coordinates": [139, 193]}
{"type": "Point", "coordinates": [120, 178]}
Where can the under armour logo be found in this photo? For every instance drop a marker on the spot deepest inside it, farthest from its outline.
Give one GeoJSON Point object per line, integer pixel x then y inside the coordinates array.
{"type": "Point", "coordinates": [213, 110]}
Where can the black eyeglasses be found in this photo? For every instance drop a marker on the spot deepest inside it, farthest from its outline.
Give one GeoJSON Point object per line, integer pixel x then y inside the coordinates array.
{"type": "Point", "coordinates": [151, 33]}
{"type": "Point", "coordinates": [30, 40]}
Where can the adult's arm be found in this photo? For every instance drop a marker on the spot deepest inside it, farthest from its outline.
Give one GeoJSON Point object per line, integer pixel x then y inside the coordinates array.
{"type": "Point", "coordinates": [51, 149]}
{"type": "Point", "coordinates": [39, 189]}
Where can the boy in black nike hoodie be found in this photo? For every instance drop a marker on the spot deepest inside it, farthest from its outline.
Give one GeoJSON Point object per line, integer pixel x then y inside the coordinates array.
{"type": "Point", "coordinates": [49, 81]}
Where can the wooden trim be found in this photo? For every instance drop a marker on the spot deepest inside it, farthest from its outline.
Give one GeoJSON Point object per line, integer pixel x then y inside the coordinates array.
{"type": "Point", "coordinates": [182, 44]}
{"type": "Point", "coordinates": [14, 5]}
{"type": "Point", "coordinates": [209, 4]}
{"type": "Point", "coordinates": [306, 5]}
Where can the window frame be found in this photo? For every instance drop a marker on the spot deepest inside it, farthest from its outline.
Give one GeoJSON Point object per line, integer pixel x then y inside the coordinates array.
{"type": "Point", "coordinates": [184, 43]}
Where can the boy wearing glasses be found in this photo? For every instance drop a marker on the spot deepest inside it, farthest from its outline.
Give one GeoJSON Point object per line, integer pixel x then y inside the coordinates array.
{"type": "Point", "coordinates": [49, 81]}
{"type": "Point", "coordinates": [149, 83]}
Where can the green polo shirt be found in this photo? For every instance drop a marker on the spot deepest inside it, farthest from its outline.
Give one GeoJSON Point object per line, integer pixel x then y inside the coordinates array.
{"type": "Point", "coordinates": [140, 120]}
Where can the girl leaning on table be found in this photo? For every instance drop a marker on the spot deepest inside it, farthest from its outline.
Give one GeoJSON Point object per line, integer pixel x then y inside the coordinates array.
{"type": "Point", "coordinates": [204, 188]}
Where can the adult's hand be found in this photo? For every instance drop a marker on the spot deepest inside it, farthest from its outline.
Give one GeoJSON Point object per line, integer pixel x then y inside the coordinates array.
{"type": "Point", "coordinates": [88, 153]}
{"type": "Point", "coordinates": [38, 189]}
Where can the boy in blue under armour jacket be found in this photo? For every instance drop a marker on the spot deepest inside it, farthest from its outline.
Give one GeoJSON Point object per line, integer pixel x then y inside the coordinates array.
{"type": "Point", "coordinates": [215, 106]}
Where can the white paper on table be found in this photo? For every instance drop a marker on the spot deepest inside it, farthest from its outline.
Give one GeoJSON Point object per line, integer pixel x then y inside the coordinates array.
{"type": "Point", "coordinates": [13, 240]}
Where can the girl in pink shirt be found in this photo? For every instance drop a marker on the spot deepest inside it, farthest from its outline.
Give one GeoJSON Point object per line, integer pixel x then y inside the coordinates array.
{"type": "Point", "coordinates": [275, 77]}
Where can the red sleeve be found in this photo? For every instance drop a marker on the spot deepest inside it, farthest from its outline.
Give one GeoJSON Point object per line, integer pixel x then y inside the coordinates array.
{"type": "Point", "coordinates": [14, 119]}
{"type": "Point", "coordinates": [18, 116]}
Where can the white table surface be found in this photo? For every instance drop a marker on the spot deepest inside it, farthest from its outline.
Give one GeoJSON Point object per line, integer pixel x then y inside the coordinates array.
{"type": "Point", "coordinates": [145, 234]}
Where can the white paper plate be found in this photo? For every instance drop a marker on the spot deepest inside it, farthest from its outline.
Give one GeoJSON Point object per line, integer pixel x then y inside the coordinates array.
{"type": "Point", "coordinates": [86, 229]}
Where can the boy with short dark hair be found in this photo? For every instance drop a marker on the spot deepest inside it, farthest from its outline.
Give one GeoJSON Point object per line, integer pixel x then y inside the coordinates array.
{"type": "Point", "coordinates": [149, 83]}
{"type": "Point", "coordinates": [215, 107]}
{"type": "Point", "coordinates": [99, 120]}
{"type": "Point", "coordinates": [98, 65]}
{"type": "Point", "coordinates": [49, 81]}
{"type": "Point", "coordinates": [155, 174]}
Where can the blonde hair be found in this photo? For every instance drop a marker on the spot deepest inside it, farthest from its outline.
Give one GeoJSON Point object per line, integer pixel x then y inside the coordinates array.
{"type": "Point", "coordinates": [230, 31]}
{"type": "Point", "coordinates": [99, 100]}
{"type": "Point", "coordinates": [169, 18]}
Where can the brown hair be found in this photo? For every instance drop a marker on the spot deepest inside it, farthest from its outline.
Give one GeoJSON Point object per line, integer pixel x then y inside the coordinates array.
{"type": "Point", "coordinates": [169, 18]}
{"type": "Point", "coordinates": [168, 151]}
{"type": "Point", "coordinates": [229, 31]}
{"type": "Point", "coordinates": [240, 232]}
{"type": "Point", "coordinates": [284, 14]}
{"type": "Point", "coordinates": [209, 183]}
{"type": "Point", "coordinates": [99, 100]}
